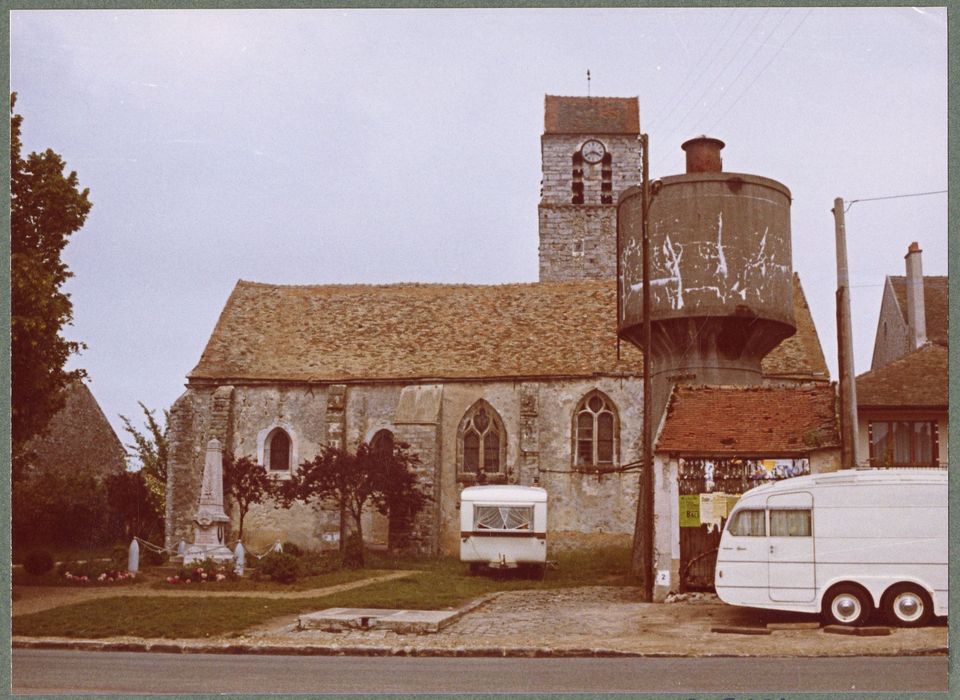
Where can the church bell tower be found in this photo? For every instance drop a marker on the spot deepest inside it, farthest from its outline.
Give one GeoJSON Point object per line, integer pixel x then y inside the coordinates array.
{"type": "Point", "coordinates": [590, 152]}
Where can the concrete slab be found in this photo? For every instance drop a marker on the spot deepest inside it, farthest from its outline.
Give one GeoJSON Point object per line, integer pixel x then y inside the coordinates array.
{"type": "Point", "coordinates": [399, 621]}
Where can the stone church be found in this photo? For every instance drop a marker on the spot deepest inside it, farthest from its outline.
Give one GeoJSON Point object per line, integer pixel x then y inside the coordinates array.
{"type": "Point", "coordinates": [515, 383]}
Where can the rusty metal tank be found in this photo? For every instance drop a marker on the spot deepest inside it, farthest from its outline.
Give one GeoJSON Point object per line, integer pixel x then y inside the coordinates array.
{"type": "Point", "coordinates": [721, 277]}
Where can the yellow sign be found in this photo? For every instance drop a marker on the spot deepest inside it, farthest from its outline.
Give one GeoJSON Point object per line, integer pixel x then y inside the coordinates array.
{"type": "Point", "coordinates": [690, 510]}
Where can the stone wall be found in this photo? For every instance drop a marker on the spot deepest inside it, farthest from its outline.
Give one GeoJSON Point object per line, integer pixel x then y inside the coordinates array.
{"type": "Point", "coordinates": [538, 422]}
{"type": "Point", "coordinates": [540, 448]}
{"type": "Point", "coordinates": [578, 241]}
{"type": "Point", "coordinates": [556, 151]}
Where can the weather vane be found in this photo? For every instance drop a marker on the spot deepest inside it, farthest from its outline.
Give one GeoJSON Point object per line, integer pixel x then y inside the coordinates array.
{"type": "Point", "coordinates": [588, 82]}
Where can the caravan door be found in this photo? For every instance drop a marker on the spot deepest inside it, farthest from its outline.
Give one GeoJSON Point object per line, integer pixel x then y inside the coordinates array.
{"type": "Point", "coordinates": [791, 568]}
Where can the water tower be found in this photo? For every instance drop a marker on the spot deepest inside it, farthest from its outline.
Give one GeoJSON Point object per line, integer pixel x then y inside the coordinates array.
{"type": "Point", "coordinates": [721, 278]}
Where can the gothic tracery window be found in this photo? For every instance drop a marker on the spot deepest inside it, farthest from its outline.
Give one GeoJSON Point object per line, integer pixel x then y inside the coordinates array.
{"type": "Point", "coordinates": [482, 440]}
{"type": "Point", "coordinates": [596, 431]}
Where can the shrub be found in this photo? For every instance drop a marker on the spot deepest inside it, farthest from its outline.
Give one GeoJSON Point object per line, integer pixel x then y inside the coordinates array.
{"type": "Point", "coordinates": [317, 563]}
{"type": "Point", "coordinates": [152, 557]}
{"type": "Point", "coordinates": [292, 549]}
{"type": "Point", "coordinates": [280, 567]}
{"type": "Point", "coordinates": [119, 555]}
{"type": "Point", "coordinates": [38, 562]}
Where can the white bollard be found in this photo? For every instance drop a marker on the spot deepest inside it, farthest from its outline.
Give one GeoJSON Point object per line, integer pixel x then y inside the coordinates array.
{"type": "Point", "coordinates": [133, 558]}
{"type": "Point", "coordinates": [238, 556]}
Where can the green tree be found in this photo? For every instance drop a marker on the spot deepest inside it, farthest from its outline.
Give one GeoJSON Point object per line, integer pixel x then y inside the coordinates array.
{"type": "Point", "coordinates": [46, 206]}
{"type": "Point", "coordinates": [246, 483]}
{"type": "Point", "coordinates": [151, 449]}
{"type": "Point", "coordinates": [131, 507]}
{"type": "Point", "coordinates": [352, 481]}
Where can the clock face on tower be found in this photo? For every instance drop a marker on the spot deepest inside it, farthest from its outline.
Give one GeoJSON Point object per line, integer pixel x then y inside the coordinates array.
{"type": "Point", "coordinates": [592, 151]}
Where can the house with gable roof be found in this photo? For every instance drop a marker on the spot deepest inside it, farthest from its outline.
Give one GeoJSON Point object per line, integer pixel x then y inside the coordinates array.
{"type": "Point", "coordinates": [514, 383]}
{"type": "Point", "coordinates": [902, 401]}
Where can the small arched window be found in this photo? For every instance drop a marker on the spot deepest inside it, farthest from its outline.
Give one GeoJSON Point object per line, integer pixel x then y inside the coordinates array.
{"type": "Point", "coordinates": [482, 440]}
{"type": "Point", "coordinates": [382, 442]}
{"type": "Point", "coordinates": [596, 431]}
{"type": "Point", "coordinates": [277, 451]}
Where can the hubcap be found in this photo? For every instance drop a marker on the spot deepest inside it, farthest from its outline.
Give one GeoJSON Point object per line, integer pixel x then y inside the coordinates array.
{"type": "Point", "coordinates": [846, 608]}
{"type": "Point", "coordinates": [908, 607]}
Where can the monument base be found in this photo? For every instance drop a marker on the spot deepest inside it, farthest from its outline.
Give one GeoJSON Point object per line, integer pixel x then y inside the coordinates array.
{"type": "Point", "coordinates": [195, 553]}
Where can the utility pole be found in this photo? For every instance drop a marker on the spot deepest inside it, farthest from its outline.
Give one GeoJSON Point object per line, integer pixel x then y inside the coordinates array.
{"type": "Point", "coordinates": [849, 433]}
{"type": "Point", "coordinates": [642, 555]}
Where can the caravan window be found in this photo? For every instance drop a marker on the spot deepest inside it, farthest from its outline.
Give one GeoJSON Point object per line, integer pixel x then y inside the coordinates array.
{"type": "Point", "coordinates": [503, 518]}
{"type": "Point", "coordinates": [789, 523]}
{"type": "Point", "coordinates": [749, 523]}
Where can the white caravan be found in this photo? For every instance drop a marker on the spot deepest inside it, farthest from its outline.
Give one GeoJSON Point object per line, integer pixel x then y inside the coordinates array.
{"type": "Point", "coordinates": [840, 544]}
{"type": "Point", "coordinates": [504, 527]}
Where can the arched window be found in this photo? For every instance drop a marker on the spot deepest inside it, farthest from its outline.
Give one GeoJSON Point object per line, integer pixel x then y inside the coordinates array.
{"type": "Point", "coordinates": [482, 440]}
{"type": "Point", "coordinates": [382, 442]}
{"type": "Point", "coordinates": [596, 431]}
{"type": "Point", "coordinates": [576, 179]}
{"type": "Point", "coordinates": [277, 451]}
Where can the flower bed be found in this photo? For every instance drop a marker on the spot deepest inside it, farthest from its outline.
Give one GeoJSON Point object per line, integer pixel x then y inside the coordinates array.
{"type": "Point", "coordinates": [105, 577]}
{"type": "Point", "coordinates": [206, 571]}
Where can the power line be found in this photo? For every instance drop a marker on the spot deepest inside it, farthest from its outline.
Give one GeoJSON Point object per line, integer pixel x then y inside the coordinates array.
{"type": "Point", "coordinates": [711, 81]}
{"type": "Point", "coordinates": [762, 70]}
{"type": "Point", "coordinates": [680, 94]}
{"type": "Point", "coordinates": [892, 196]}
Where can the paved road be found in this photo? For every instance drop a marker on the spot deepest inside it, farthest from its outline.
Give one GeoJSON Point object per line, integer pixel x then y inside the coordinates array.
{"type": "Point", "coordinates": [54, 671]}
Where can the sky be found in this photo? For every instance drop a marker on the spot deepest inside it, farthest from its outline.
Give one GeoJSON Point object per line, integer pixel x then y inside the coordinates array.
{"type": "Point", "coordinates": [377, 146]}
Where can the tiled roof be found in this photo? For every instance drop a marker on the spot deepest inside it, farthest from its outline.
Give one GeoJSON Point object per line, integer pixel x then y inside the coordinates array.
{"type": "Point", "coordinates": [800, 355]}
{"type": "Point", "coordinates": [918, 379]}
{"type": "Point", "coordinates": [591, 115]}
{"type": "Point", "coordinates": [408, 331]}
{"type": "Point", "coordinates": [79, 437]}
{"type": "Point", "coordinates": [935, 303]}
{"type": "Point", "coordinates": [745, 421]}
{"type": "Point", "coordinates": [438, 331]}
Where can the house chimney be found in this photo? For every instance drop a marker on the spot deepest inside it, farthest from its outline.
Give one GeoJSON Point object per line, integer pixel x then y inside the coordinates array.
{"type": "Point", "coordinates": [916, 311]}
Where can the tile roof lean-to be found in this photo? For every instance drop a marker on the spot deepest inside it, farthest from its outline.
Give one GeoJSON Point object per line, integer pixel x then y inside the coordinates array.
{"type": "Point", "coordinates": [749, 421]}
{"type": "Point", "coordinates": [916, 380]}
{"type": "Point", "coordinates": [935, 303]}
{"type": "Point", "coordinates": [334, 333]}
{"type": "Point", "coordinates": [591, 115]}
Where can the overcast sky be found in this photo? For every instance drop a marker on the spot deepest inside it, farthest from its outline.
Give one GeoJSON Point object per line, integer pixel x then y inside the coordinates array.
{"type": "Point", "coordinates": [324, 146]}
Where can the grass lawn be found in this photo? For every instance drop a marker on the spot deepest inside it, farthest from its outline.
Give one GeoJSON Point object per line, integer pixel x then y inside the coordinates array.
{"type": "Point", "coordinates": [436, 584]}
{"type": "Point", "coordinates": [334, 578]}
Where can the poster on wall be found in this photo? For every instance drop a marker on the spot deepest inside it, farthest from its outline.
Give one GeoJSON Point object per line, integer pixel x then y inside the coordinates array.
{"type": "Point", "coordinates": [690, 510]}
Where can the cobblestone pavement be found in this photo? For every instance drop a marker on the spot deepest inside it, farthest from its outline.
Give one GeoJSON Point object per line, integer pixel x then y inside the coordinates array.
{"type": "Point", "coordinates": [606, 619]}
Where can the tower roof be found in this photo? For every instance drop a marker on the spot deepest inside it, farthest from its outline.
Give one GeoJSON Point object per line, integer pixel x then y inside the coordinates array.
{"type": "Point", "coordinates": [591, 115]}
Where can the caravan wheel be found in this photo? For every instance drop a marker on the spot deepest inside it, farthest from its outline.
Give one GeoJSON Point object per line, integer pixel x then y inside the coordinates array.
{"type": "Point", "coordinates": [907, 605]}
{"type": "Point", "coordinates": [846, 604]}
